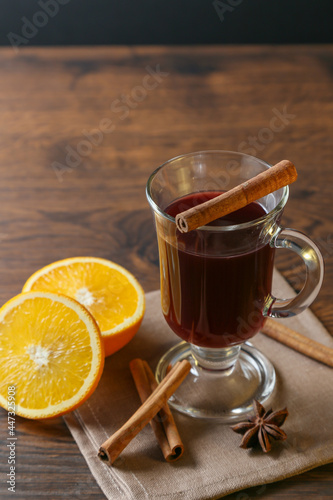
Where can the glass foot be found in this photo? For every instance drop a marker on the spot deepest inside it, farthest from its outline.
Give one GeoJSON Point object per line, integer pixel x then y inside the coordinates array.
{"type": "Point", "coordinates": [222, 395]}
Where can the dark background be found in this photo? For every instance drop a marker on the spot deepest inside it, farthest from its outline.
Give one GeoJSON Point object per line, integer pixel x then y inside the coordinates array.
{"type": "Point", "coordinates": [106, 22]}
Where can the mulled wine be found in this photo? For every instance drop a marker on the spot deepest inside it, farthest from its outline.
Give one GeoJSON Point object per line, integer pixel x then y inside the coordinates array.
{"type": "Point", "coordinates": [215, 298]}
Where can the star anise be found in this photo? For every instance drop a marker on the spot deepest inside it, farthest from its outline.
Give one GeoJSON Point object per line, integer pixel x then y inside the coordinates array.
{"type": "Point", "coordinates": [262, 428]}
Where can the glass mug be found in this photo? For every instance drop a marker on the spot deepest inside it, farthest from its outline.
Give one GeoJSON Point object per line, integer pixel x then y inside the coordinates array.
{"type": "Point", "coordinates": [216, 282]}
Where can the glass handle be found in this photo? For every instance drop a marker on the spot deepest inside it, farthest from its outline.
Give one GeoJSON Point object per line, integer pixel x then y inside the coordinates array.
{"type": "Point", "coordinates": [310, 253]}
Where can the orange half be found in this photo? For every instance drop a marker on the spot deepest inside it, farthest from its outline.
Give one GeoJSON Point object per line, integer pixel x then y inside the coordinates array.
{"type": "Point", "coordinates": [51, 355]}
{"type": "Point", "coordinates": [111, 294]}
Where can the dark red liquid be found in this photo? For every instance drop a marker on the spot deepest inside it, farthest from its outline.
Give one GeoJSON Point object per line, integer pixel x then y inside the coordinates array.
{"type": "Point", "coordinates": [213, 291]}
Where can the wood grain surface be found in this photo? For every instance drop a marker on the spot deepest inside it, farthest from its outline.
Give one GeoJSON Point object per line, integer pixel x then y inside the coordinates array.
{"type": "Point", "coordinates": [274, 102]}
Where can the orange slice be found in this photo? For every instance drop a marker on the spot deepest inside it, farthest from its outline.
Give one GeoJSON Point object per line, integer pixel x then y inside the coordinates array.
{"type": "Point", "coordinates": [51, 354]}
{"type": "Point", "coordinates": [110, 293]}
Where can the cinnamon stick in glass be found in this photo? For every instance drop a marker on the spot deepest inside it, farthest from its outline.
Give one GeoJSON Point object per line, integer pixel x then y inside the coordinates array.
{"type": "Point", "coordinates": [298, 342]}
{"type": "Point", "coordinates": [163, 423]}
{"type": "Point", "coordinates": [272, 179]}
{"type": "Point", "coordinates": [113, 446]}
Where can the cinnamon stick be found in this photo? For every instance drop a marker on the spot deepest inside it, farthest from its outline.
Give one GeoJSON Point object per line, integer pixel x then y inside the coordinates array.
{"type": "Point", "coordinates": [298, 342]}
{"type": "Point", "coordinates": [274, 178]}
{"type": "Point", "coordinates": [163, 423]}
{"type": "Point", "coordinates": [116, 443]}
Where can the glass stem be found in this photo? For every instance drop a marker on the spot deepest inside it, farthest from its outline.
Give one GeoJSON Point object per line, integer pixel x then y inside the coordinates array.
{"type": "Point", "coordinates": [216, 359]}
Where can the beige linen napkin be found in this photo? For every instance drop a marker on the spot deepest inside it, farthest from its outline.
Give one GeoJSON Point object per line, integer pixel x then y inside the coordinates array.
{"type": "Point", "coordinates": [213, 465]}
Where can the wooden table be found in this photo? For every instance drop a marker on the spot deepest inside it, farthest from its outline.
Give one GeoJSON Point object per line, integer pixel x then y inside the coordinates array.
{"type": "Point", "coordinates": [274, 102]}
